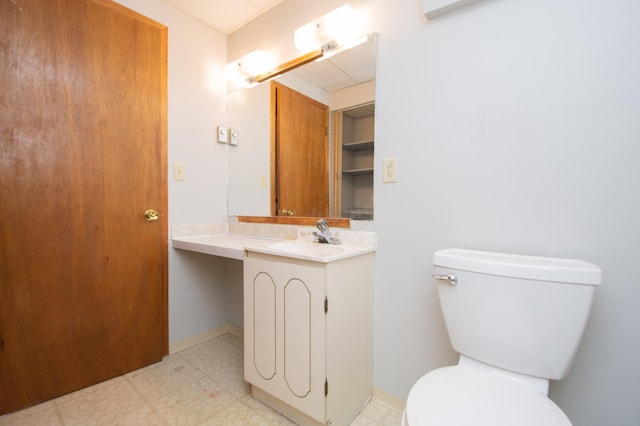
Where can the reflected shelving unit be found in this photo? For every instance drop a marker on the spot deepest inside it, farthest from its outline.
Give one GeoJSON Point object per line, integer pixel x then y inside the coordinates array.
{"type": "Point", "coordinates": [353, 136]}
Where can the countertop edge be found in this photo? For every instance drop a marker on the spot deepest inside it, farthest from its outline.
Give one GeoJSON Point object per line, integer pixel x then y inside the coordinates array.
{"type": "Point", "coordinates": [310, 257]}
{"type": "Point", "coordinates": [234, 246]}
{"type": "Point", "coordinates": [229, 246]}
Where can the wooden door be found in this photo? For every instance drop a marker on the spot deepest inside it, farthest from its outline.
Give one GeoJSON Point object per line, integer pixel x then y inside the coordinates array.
{"type": "Point", "coordinates": [300, 153]}
{"type": "Point", "coordinates": [83, 276]}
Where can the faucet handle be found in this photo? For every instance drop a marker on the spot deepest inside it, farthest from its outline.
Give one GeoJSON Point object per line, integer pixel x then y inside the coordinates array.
{"type": "Point", "coordinates": [322, 225]}
{"type": "Point", "coordinates": [321, 238]}
{"type": "Point", "coordinates": [324, 236]}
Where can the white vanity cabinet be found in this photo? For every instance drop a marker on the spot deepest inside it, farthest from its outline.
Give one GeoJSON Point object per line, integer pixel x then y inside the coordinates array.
{"type": "Point", "coordinates": [307, 335]}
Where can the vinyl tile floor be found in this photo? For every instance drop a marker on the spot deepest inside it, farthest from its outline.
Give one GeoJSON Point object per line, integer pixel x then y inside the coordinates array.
{"type": "Point", "coordinates": [200, 385]}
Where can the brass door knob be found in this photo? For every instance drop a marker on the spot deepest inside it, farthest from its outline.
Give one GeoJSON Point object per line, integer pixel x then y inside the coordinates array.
{"type": "Point", "coordinates": [151, 215]}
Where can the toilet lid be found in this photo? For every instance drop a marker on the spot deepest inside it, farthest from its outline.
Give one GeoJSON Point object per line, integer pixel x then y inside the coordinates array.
{"type": "Point", "coordinates": [464, 396]}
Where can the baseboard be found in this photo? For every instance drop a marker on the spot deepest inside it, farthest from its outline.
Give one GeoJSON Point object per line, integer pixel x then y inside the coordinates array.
{"type": "Point", "coordinates": [210, 334]}
{"type": "Point", "coordinates": [388, 399]}
{"type": "Point", "coordinates": [235, 330]}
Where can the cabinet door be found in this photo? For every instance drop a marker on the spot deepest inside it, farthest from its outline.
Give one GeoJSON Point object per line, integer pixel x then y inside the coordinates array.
{"type": "Point", "coordinates": [285, 328]}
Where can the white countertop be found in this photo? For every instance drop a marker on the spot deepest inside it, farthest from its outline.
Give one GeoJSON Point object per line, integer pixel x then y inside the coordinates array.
{"type": "Point", "coordinates": [224, 245]}
{"type": "Point", "coordinates": [307, 250]}
{"type": "Point", "coordinates": [287, 241]}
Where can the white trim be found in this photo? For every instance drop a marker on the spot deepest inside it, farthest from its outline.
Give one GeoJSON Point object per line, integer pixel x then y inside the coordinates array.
{"type": "Point", "coordinates": [433, 8]}
{"type": "Point", "coordinates": [194, 340]}
{"type": "Point", "coordinates": [388, 399]}
{"type": "Point", "coordinates": [235, 330]}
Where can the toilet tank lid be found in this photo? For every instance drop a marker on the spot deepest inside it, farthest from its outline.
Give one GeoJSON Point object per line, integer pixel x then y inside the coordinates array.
{"type": "Point", "coordinates": [519, 266]}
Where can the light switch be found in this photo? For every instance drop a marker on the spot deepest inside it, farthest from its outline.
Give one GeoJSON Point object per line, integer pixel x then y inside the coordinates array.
{"type": "Point", "coordinates": [178, 171]}
{"type": "Point", "coordinates": [263, 181]}
{"type": "Point", "coordinates": [235, 137]}
{"type": "Point", "coordinates": [223, 134]}
{"type": "Point", "coordinates": [390, 170]}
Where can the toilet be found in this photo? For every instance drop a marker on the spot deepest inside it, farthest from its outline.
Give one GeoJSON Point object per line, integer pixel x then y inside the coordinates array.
{"type": "Point", "coordinates": [516, 322]}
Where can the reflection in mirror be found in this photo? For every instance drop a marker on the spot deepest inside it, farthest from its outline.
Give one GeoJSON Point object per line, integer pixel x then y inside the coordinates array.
{"type": "Point", "coordinates": [344, 81]}
{"type": "Point", "coordinates": [354, 143]}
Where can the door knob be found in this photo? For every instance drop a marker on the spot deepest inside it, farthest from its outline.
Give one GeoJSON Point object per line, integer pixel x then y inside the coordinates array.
{"type": "Point", "coordinates": [150, 215]}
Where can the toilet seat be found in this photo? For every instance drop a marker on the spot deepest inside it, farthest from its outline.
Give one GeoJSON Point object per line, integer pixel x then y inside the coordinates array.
{"type": "Point", "coordinates": [462, 395]}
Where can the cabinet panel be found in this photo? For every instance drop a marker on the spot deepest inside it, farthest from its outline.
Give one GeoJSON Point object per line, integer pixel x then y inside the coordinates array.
{"type": "Point", "coordinates": [322, 335]}
{"type": "Point", "coordinates": [297, 337]}
{"type": "Point", "coordinates": [264, 325]}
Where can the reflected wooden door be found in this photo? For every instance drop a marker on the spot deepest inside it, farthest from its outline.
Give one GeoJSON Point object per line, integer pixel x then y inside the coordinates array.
{"type": "Point", "coordinates": [83, 275]}
{"type": "Point", "coordinates": [300, 153]}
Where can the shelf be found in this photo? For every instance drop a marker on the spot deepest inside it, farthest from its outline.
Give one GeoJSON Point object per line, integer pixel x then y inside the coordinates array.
{"type": "Point", "coordinates": [356, 172]}
{"type": "Point", "coordinates": [358, 146]}
{"type": "Point", "coordinates": [354, 138]}
{"type": "Point", "coordinates": [358, 214]}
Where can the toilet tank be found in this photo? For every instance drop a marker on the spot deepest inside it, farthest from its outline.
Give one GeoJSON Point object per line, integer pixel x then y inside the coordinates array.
{"type": "Point", "coordinates": [521, 313]}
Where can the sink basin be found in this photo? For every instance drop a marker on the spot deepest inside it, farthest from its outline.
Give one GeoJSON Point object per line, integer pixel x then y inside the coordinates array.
{"type": "Point", "coordinates": [303, 247]}
{"type": "Point", "coordinates": [308, 250]}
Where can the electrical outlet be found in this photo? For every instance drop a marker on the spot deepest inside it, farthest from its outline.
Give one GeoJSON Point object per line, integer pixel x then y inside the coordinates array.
{"type": "Point", "coordinates": [389, 170]}
{"type": "Point", "coordinates": [178, 171]}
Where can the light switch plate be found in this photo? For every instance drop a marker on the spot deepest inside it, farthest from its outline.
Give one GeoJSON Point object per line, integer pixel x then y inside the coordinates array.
{"type": "Point", "coordinates": [223, 134]}
{"type": "Point", "coordinates": [389, 170]}
{"type": "Point", "coordinates": [235, 137]}
{"type": "Point", "coordinates": [178, 171]}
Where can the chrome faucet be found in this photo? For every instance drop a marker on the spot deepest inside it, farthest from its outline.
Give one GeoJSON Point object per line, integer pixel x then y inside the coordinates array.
{"type": "Point", "coordinates": [324, 235]}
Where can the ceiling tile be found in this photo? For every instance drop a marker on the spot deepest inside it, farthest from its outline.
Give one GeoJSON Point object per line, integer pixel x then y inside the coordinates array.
{"type": "Point", "coordinates": [225, 16]}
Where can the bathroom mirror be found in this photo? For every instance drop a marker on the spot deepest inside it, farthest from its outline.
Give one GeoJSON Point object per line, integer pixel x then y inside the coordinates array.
{"type": "Point", "coordinates": [342, 81]}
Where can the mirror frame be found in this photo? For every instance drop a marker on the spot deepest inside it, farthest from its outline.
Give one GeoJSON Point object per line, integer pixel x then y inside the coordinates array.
{"type": "Point", "coordinates": [334, 222]}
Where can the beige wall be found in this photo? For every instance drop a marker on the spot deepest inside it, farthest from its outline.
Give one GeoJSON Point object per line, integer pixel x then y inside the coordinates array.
{"type": "Point", "coordinates": [197, 103]}
{"type": "Point", "coordinates": [515, 124]}
{"type": "Point", "coordinates": [515, 127]}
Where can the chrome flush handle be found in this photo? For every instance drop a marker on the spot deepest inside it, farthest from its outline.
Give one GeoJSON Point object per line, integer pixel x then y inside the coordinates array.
{"type": "Point", "coordinates": [450, 278]}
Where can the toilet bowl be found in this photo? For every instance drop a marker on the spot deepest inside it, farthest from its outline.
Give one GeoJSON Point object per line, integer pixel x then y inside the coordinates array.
{"type": "Point", "coordinates": [466, 395]}
{"type": "Point", "coordinates": [517, 322]}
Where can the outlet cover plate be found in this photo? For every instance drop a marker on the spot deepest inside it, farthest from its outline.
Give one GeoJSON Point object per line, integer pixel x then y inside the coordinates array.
{"type": "Point", "coordinates": [389, 170]}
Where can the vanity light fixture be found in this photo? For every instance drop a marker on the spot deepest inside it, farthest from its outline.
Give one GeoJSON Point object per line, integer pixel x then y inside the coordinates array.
{"type": "Point", "coordinates": [256, 67]}
{"type": "Point", "coordinates": [338, 27]}
{"type": "Point", "coordinates": [243, 71]}
{"type": "Point", "coordinates": [333, 32]}
{"type": "Point", "coordinates": [288, 66]}
{"type": "Point", "coordinates": [330, 34]}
